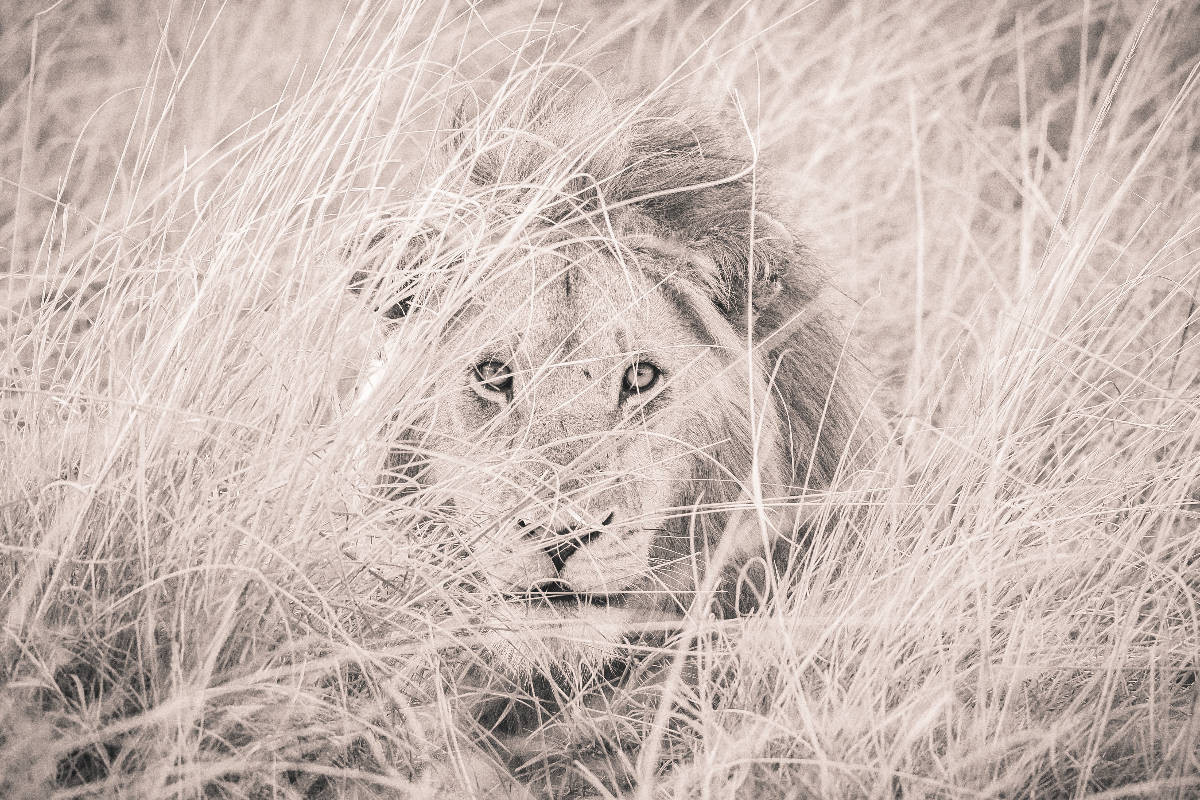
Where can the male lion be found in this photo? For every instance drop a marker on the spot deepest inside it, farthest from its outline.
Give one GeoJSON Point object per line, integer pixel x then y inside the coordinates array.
{"type": "Point", "coordinates": [634, 382]}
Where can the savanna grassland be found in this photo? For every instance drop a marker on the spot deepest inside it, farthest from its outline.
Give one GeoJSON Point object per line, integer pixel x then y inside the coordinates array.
{"type": "Point", "coordinates": [203, 597]}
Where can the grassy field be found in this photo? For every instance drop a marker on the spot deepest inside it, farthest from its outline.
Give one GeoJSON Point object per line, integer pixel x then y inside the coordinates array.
{"type": "Point", "coordinates": [202, 598]}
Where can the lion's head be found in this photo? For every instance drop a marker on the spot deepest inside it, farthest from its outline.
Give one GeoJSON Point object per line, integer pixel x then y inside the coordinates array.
{"type": "Point", "coordinates": [630, 351]}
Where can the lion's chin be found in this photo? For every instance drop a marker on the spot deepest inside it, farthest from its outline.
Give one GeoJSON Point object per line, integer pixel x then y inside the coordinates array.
{"type": "Point", "coordinates": [529, 638]}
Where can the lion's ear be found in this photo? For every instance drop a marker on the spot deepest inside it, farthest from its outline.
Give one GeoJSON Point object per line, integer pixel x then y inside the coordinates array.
{"type": "Point", "coordinates": [702, 190]}
{"type": "Point", "coordinates": [388, 263]}
{"type": "Point", "coordinates": [749, 268]}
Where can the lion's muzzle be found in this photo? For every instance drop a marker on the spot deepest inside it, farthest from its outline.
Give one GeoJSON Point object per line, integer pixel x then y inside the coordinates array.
{"type": "Point", "coordinates": [559, 544]}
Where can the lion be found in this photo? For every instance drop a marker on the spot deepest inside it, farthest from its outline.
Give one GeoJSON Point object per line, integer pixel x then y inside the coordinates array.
{"type": "Point", "coordinates": [636, 382]}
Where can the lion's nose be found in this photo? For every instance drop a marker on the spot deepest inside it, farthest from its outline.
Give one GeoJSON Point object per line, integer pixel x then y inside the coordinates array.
{"type": "Point", "coordinates": [562, 543]}
{"type": "Point", "coordinates": [565, 543]}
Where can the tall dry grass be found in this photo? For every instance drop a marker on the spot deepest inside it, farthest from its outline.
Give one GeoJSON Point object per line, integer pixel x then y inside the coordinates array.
{"type": "Point", "coordinates": [203, 597]}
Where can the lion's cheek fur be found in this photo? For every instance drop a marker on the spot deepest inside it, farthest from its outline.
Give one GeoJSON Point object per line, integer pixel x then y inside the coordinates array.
{"type": "Point", "coordinates": [646, 504]}
{"type": "Point", "coordinates": [742, 457]}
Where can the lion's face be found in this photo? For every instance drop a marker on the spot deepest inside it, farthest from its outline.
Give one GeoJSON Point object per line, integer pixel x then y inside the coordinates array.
{"type": "Point", "coordinates": [576, 411]}
{"type": "Point", "coordinates": [552, 433]}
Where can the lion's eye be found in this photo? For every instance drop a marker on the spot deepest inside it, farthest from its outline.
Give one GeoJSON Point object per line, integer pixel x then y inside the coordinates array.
{"type": "Point", "coordinates": [640, 377]}
{"type": "Point", "coordinates": [494, 376]}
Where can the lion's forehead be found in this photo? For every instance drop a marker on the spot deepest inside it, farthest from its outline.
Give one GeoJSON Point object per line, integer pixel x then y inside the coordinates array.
{"type": "Point", "coordinates": [589, 312]}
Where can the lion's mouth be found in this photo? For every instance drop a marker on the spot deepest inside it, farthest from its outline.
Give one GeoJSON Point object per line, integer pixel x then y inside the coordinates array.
{"type": "Point", "coordinates": [559, 596]}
